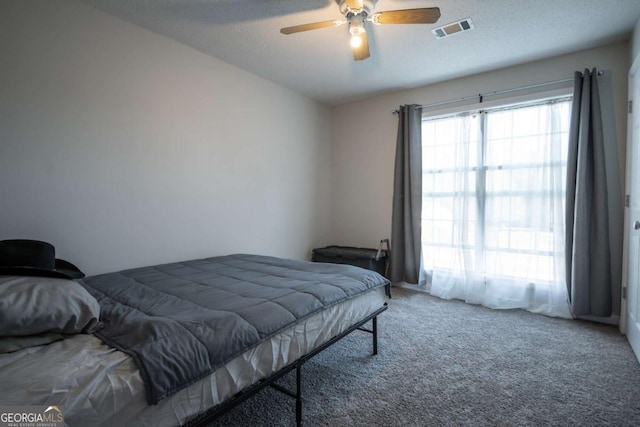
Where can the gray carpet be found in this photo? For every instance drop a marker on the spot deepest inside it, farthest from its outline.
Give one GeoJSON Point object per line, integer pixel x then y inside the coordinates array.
{"type": "Point", "coordinates": [447, 363]}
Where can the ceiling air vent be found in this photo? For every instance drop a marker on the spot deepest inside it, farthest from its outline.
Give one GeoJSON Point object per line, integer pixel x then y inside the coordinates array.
{"type": "Point", "coordinates": [453, 28]}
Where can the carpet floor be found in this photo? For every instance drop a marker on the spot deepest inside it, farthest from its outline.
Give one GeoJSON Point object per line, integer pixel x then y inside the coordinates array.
{"type": "Point", "coordinates": [447, 363]}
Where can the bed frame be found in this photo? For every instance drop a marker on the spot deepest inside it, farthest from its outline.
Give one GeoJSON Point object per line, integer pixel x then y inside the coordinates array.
{"type": "Point", "coordinates": [238, 398]}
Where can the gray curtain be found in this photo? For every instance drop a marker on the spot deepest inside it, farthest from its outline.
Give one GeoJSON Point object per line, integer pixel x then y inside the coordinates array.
{"type": "Point", "coordinates": [594, 211]}
{"type": "Point", "coordinates": [407, 198]}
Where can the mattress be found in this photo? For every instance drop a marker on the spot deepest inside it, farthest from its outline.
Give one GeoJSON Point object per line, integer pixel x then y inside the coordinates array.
{"type": "Point", "coordinates": [97, 385]}
{"type": "Point", "coordinates": [181, 321]}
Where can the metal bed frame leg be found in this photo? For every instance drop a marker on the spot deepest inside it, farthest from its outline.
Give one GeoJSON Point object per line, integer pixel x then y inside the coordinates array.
{"type": "Point", "coordinates": [298, 395]}
{"type": "Point", "coordinates": [373, 331]}
{"type": "Point", "coordinates": [375, 335]}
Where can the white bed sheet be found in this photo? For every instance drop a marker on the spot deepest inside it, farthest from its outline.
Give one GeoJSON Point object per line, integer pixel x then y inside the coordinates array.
{"type": "Point", "coordinates": [100, 386]}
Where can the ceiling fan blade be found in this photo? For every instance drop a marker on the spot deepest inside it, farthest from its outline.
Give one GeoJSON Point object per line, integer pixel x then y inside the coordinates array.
{"type": "Point", "coordinates": [427, 15]}
{"type": "Point", "coordinates": [312, 26]}
{"type": "Point", "coordinates": [362, 52]}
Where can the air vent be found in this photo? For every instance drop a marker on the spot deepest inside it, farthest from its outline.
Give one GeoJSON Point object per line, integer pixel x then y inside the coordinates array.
{"type": "Point", "coordinates": [453, 28]}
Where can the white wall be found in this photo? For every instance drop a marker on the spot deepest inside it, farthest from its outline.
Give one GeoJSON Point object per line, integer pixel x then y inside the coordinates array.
{"type": "Point", "coordinates": [635, 41]}
{"type": "Point", "coordinates": [364, 135]}
{"type": "Point", "coordinates": [124, 148]}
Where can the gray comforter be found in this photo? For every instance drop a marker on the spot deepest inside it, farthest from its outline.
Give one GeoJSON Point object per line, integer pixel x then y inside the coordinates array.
{"type": "Point", "coordinates": [182, 321]}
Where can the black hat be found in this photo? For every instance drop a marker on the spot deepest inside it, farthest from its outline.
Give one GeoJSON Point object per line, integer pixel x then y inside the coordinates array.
{"type": "Point", "coordinates": [34, 258]}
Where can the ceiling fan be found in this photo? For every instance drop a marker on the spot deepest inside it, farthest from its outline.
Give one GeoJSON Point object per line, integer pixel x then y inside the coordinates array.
{"type": "Point", "coordinates": [357, 12]}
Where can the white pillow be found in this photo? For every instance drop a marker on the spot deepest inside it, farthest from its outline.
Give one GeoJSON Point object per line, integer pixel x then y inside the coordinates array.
{"type": "Point", "coordinates": [32, 305]}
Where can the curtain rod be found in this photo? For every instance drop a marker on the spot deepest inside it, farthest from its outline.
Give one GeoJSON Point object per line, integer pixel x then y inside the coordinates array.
{"type": "Point", "coordinates": [480, 96]}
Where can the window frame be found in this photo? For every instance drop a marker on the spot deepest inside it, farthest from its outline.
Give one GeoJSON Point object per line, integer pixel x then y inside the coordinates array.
{"type": "Point", "coordinates": [479, 193]}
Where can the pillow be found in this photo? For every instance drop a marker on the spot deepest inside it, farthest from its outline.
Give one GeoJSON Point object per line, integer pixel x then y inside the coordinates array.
{"type": "Point", "coordinates": [32, 305]}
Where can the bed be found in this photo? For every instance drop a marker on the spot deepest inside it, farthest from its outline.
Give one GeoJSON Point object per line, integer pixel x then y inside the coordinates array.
{"type": "Point", "coordinates": [180, 343]}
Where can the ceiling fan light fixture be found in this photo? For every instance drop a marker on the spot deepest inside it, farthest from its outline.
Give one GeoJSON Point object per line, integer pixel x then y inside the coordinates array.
{"type": "Point", "coordinates": [356, 41]}
{"type": "Point", "coordinates": [356, 28]}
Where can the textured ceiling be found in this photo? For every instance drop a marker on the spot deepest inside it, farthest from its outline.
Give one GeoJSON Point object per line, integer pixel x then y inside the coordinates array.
{"type": "Point", "coordinates": [319, 63]}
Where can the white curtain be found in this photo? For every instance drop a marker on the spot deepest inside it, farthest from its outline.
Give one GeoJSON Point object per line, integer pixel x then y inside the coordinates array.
{"type": "Point", "coordinates": [493, 208]}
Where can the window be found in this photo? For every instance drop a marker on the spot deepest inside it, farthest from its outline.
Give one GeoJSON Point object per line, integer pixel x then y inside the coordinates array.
{"type": "Point", "coordinates": [493, 200]}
